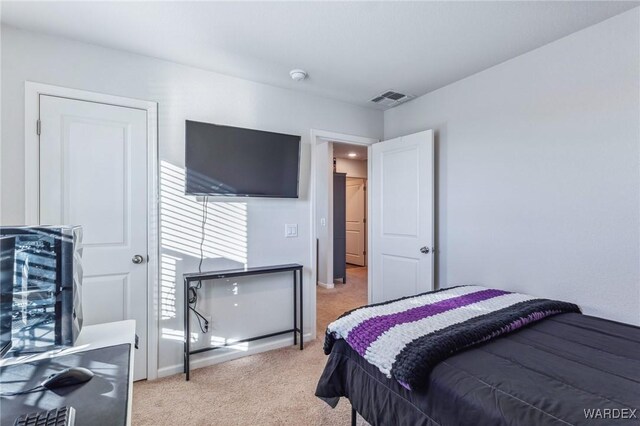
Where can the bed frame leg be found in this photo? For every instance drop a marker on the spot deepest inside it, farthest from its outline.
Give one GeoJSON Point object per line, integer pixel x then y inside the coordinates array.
{"type": "Point", "coordinates": [354, 416]}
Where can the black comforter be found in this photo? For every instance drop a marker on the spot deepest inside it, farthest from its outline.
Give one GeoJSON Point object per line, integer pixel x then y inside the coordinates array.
{"type": "Point", "coordinates": [568, 369]}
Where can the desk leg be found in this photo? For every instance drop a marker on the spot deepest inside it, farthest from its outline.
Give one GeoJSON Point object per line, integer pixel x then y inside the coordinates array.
{"type": "Point", "coordinates": [295, 307]}
{"type": "Point", "coordinates": [187, 332]}
{"type": "Point", "coordinates": [301, 314]}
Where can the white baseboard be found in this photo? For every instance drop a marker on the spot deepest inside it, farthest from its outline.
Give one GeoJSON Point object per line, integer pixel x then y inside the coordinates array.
{"type": "Point", "coordinates": [214, 358]}
{"type": "Point", "coordinates": [325, 285]}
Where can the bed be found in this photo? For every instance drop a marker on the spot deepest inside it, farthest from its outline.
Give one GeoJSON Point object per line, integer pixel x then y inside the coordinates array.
{"type": "Point", "coordinates": [567, 369]}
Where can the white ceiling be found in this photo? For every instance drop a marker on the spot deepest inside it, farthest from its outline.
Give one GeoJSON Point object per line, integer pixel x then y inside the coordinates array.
{"type": "Point", "coordinates": [352, 50]}
{"type": "Point", "coordinates": [342, 150]}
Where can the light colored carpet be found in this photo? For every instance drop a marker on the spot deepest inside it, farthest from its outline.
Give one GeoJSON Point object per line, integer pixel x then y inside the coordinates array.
{"type": "Point", "coordinates": [271, 388]}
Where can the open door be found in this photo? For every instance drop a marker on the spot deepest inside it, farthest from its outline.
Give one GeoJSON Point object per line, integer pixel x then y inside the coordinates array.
{"type": "Point", "coordinates": [401, 190]}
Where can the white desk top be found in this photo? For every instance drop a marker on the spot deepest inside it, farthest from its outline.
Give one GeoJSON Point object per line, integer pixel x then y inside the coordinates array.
{"type": "Point", "coordinates": [91, 337]}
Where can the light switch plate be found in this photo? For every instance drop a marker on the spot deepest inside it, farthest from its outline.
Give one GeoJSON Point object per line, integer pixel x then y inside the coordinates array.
{"type": "Point", "coordinates": [291, 230]}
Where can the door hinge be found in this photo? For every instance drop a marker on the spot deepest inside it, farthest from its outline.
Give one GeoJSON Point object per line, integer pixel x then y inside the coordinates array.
{"type": "Point", "coordinates": [364, 253]}
{"type": "Point", "coordinates": [364, 220]}
{"type": "Point", "coordinates": [38, 127]}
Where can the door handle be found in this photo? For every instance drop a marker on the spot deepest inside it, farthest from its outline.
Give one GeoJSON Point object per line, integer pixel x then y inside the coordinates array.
{"type": "Point", "coordinates": [424, 250]}
{"type": "Point", "coordinates": [137, 259]}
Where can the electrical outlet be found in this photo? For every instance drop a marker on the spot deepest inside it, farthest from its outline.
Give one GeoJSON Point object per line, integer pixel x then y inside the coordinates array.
{"type": "Point", "coordinates": [207, 323]}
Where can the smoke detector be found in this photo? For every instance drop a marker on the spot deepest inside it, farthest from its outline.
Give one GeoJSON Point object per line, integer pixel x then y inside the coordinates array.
{"type": "Point", "coordinates": [298, 74]}
{"type": "Point", "coordinates": [391, 98]}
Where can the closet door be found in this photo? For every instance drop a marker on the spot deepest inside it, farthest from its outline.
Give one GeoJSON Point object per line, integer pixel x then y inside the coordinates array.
{"type": "Point", "coordinates": [93, 173]}
{"type": "Point", "coordinates": [356, 223]}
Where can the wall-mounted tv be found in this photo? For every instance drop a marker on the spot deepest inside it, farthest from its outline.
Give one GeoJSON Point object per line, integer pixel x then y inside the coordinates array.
{"type": "Point", "coordinates": [231, 161]}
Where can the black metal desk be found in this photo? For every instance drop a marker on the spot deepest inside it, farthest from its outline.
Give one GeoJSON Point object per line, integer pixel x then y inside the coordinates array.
{"type": "Point", "coordinates": [229, 273]}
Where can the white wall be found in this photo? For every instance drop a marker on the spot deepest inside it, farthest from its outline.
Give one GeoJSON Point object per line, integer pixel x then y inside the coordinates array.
{"type": "Point", "coordinates": [353, 168]}
{"type": "Point", "coordinates": [187, 93]}
{"type": "Point", "coordinates": [324, 211]}
{"type": "Point", "coordinates": [538, 181]}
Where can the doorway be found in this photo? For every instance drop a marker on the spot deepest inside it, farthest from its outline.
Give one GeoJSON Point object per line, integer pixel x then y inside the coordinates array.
{"type": "Point", "coordinates": [350, 206]}
{"type": "Point", "coordinates": [347, 285]}
{"type": "Point", "coordinates": [399, 226]}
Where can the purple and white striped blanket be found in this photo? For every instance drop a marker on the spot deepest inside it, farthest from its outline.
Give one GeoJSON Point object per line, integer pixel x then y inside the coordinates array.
{"type": "Point", "coordinates": [406, 338]}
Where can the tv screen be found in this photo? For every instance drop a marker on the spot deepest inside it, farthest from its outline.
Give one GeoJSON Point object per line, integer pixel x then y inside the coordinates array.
{"type": "Point", "coordinates": [224, 160]}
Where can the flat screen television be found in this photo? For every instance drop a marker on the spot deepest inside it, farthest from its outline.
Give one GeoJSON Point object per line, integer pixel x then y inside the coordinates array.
{"type": "Point", "coordinates": [231, 161]}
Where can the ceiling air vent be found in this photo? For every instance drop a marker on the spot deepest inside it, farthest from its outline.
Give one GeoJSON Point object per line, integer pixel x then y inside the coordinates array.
{"type": "Point", "coordinates": [391, 98]}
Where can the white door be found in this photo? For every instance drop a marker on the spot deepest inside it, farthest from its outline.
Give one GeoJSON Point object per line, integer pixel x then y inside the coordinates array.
{"type": "Point", "coordinates": [93, 173]}
{"type": "Point", "coordinates": [401, 191]}
{"type": "Point", "coordinates": [356, 221]}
